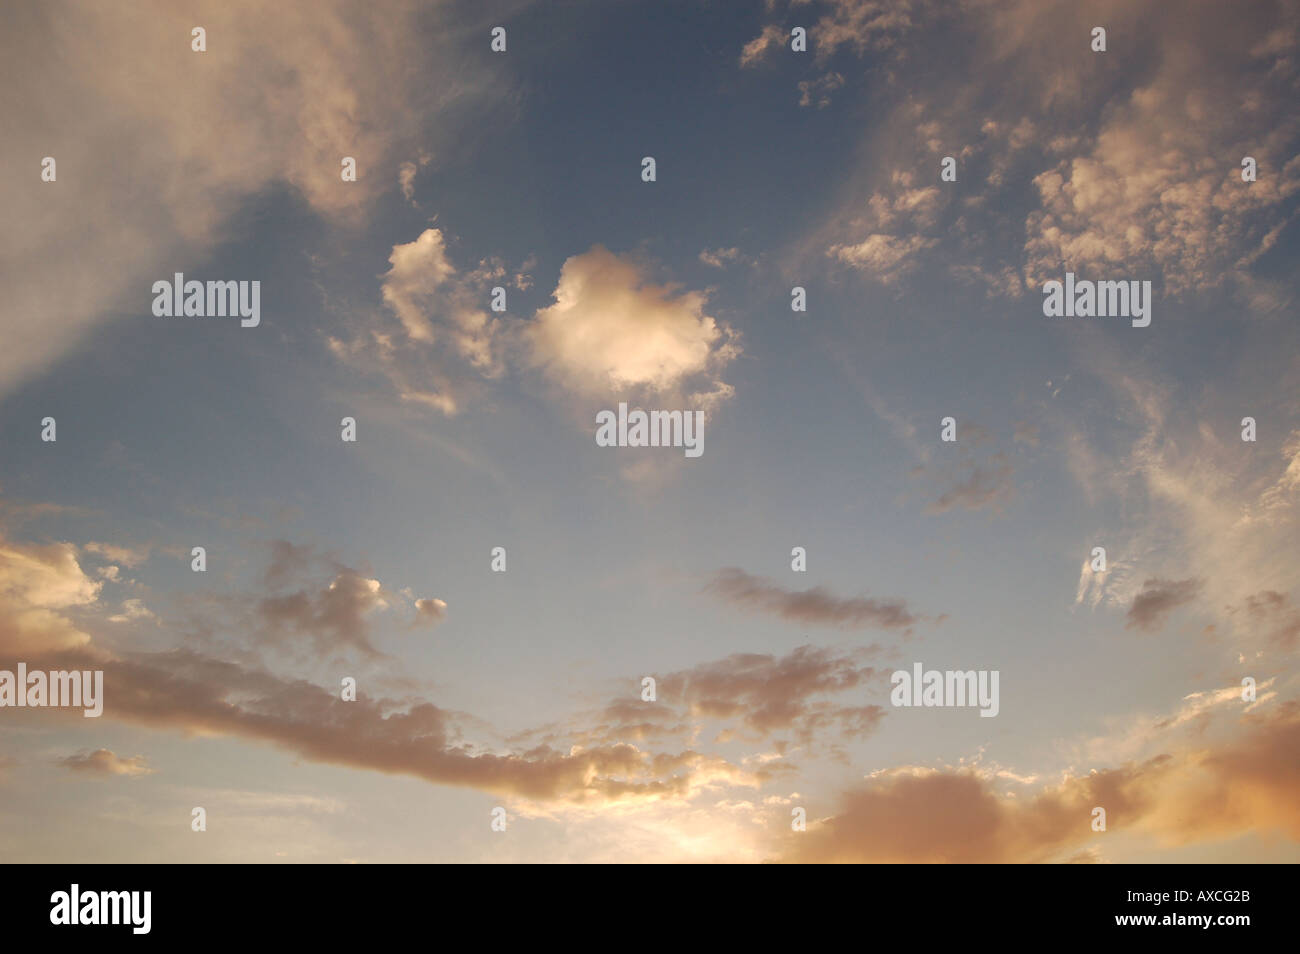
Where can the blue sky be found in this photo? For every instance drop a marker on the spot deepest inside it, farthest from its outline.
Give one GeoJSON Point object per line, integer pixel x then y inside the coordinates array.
{"type": "Point", "coordinates": [522, 170]}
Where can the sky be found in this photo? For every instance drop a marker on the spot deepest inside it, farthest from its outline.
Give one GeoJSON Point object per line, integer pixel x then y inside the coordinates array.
{"type": "Point", "coordinates": [497, 584]}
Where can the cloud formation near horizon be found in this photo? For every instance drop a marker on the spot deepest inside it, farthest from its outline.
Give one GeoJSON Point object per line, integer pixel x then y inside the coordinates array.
{"type": "Point", "coordinates": [958, 816]}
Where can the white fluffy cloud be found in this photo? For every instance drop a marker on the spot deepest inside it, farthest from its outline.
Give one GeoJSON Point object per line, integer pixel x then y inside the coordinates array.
{"type": "Point", "coordinates": [36, 584]}
{"type": "Point", "coordinates": [419, 269]}
{"type": "Point", "coordinates": [445, 341]}
{"type": "Point", "coordinates": [612, 333]}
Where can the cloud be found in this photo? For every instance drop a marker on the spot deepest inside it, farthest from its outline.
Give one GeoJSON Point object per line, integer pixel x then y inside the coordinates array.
{"type": "Point", "coordinates": [861, 25]}
{"type": "Point", "coordinates": [755, 50]}
{"type": "Point", "coordinates": [445, 344]}
{"type": "Point", "coordinates": [1144, 734]}
{"type": "Point", "coordinates": [814, 605]}
{"type": "Point", "coordinates": [307, 605]}
{"type": "Point", "coordinates": [919, 816]}
{"type": "Point", "coordinates": [1116, 165]}
{"type": "Point", "coordinates": [127, 556]}
{"type": "Point", "coordinates": [1278, 617]}
{"type": "Point", "coordinates": [812, 695]}
{"type": "Point", "coordinates": [924, 815]}
{"type": "Point", "coordinates": [1158, 599]}
{"type": "Point", "coordinates": [419, 268]}
{"type": "Point", "coordinates": [611, 334]}
{"type": "Point", "coordinates": [982, 488]}
{"type": "Point", "coordinates": [721, 257]}
{"type": "Point", "coordinates": [600, 762]}
{"type": "Point", "coordinates": [46, 576]}
{"type": "Point", "coordinates": [780, 699]}
{"type": "Point", "coordinates": [105, 762]}
{"type": "Point", "coordinates": [36, 583]}
{"type": "Point", "coordinates": [333, 617]}
{"type": "Point", "coordinates": [280, 96]}
{"type": "Point", "coordinates": [1196, 506]}
{"type": "Point", "coordinates": [1097, 585]}
{"type": "Point", "coordinates": [406, 174]}
{"type": "Point", "coordinates": [768, 694]}
{"type": "Point", "coordinates": [819, 90]}
{"type": "Point", "coordinates": [192, 692]}
{"type": "Point", "coordinates": [132, 610]}
{"type": "Point", "coordinates": [1026, 433]}
{"type": "Point", "coordinates": [884, 257]}
{"type": "Point", "coordinates": [974, 480]}
{"type": "Point", "coordinates": [866, 25]}
{"type": "Point", "coordinates": [430, 612]}
{"type": "Point", "coordinates": [288, 562]}
{"type": "Point", "coordinates": [1143, 193]}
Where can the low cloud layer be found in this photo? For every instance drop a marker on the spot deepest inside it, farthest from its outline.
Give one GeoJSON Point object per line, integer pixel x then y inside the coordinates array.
{"type": "Point", "coordinates": [812, 697]}
{"type": "Point", "coordinates": [918, 815]}
{"type": "Point", "coordinates": [193, 692]}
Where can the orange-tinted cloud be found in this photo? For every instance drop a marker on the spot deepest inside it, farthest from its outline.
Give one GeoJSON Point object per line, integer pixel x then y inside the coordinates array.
{"type": "Point", "coordinates": [1249, 784]}
{"type": "Point", "coordinates": [106, 762]}
{"type": "Point", "coordinates": [291, 89]}
{"type": "Point", "coordinates": [798, 697]}
{"type": "Point", "coordinates": [612, 333]}
{"type": "Point", "coordinates": [193, 692]}
{"type": "Point", "coordinates": [766, 694]}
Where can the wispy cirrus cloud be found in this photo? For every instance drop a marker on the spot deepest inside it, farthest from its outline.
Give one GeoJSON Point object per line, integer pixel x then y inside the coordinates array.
{"type": "Point", "coordinates": [289, 90]}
